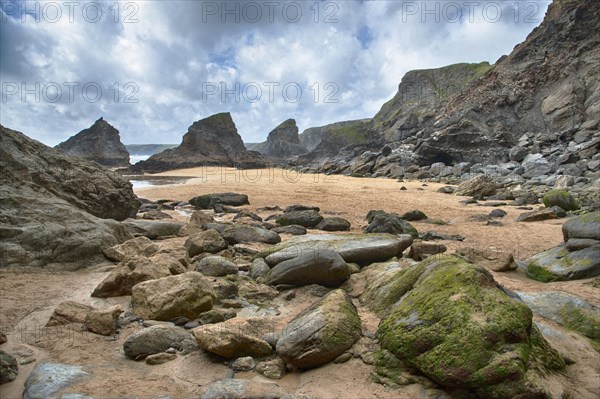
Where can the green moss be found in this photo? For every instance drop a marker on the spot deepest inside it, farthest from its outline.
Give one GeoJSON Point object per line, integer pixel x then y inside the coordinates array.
{"type": "Point", "coordinates": [560, 198]}
{"type": "Point", "coordinates": [540, 273]}
{"type": "Point", "coordinates": [455, 324]}
{"type": "Point", "coordinates": [339, 335]}
{"type": "Point", "coordinates": [402, 283]}
{"type": "Point", "coordinates": [349, 134]}
{"type": "Point", "coordinates": [544, 358]}
{"type": "Point", "coordinates": [581, 320]}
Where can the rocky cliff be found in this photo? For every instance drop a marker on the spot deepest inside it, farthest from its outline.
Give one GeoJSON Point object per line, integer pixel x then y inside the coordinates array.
{"type": "Point", "coordinates": [210, 141]}
{"type": "Point", "coordinates": [282, 142]}
{"type": "Point", "coordinates": [327, 141]}
{"type": "Point", "coordinates": [57, 210]}
{"type": "Point", "coordinates": [100, 142]}
{"type": "Point", "coordinates": [534, 114]}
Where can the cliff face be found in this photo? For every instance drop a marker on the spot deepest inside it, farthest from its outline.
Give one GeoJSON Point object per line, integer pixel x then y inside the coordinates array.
{"type": "Point", "coordinates": [210, 141]}
{"type": "Point", "coordinates": [282, 142]}
{"type": "Point", "coordinates": [543, 94]}
{"type": "Point", "coordinates": [100, 142]}
{"type": "Point", "coordinates": [333, 138]}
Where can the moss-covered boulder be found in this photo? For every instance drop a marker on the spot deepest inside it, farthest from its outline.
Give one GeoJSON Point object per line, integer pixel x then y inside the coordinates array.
{"type": "Point", "coordinates": [560, 198]}
{"type": "Point", "coordinates": [585, 226]}
{"type": "Point", "coordinates": [458, 327]}
{"type": "Point", "coordinates": [558, 264]}
{"type": "Point", "coordinates": [320, 333]}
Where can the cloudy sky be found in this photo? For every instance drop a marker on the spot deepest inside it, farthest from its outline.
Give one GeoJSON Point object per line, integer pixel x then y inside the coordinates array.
{"type": "Point", "coordinates": [151, 68]}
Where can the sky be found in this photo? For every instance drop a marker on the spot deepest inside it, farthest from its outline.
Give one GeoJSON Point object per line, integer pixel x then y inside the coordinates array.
{"type": "Point", "coordinates": [152, 68]}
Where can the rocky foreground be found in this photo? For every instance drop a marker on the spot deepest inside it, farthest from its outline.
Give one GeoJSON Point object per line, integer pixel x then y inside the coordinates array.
{"type": "Point", "coordinates": [275, 302]}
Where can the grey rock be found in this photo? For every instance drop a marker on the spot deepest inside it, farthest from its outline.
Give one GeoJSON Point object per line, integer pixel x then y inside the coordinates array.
{"type": "Point", "coordinates": [320, 333]}
{"type": "Point", "coordinates": [153, 229]}
{"type": "Point", "coordinates": [325, 267]}
{"type": "Point", "coordinates": [305, 218]}
{"type": "Point", "coordinates": [208, 201]}
{"type": "Point", "coordinates": [216, 266]}
{"type": "Point", "coordinates": [243, 364]}
{"type": "Point", "coordinates": [392, 224]}
{"type": "Point", "coordinates": [259, 268]}
{"type": "Point", "coordinates": [481, 185]}
{"type": "Point", "coordinates": [292, 229]}
{"type": "Point", "coordinates": [282, 142]}
{"type": "Point", "coordinates": [9, 368]}
{"type": "Point", "coordinates": [333, 224]}
{"type": "Point", "coordinates": [242, 389]}
{"type": "Point", "coordinates": [48, 379]}
{"type": "Point", "coordinates": [237, 233]}
{"type": "Point", "coordinates": [583, 226]}
{"type": "Point", "coordinates": [130, 248]}
{"type": "Point", "coordinates": [558, 264]}
{"type": "Point", "coordinates": [157, 339]}
{"type": "Point", "coordinates": [205, 241]}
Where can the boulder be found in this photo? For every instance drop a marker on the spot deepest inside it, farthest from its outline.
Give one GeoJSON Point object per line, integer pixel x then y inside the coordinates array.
{"type": "Point", "coordinates": [558, 264]}
{"type": "Point", "coordinates": [100, 143]}
{"type": "Point", "coordinates": [55, 209]}
{"type": "Point", "coordinates": [560, 198]}
{"type": "Point", "coordinates": [130, 248]}
{"type": "Point", "coordinates": [48, 379]}
{"type": "Point", "coordinates": [205, 241]}
{"type": "Point", "coordinates": [187, 294]}
{"type": "Point", "coordinates": [9, 368]}
{"type": "Point", "coordinates": [481, 185]}
{"type": "Point", "coordinates": [292, 229]}
{"type": "Point", "coordinates": [3, 337]}
{"type": "Point", "coordinates": [272, 369]}
{"type": "Point", "coordinates": [155, 214]}
{"type": "Point", "coordinates": [157, 339]}
{"type": "Point", "coordinates": [414, 216]}
{"type": "Point", "coordinates": [259, 268]}
{"type": "Point", "coordinates": [320, 333]}
{"type": "Point", "coordinates": [212, 141]}
{"type": "Point", "coordinates": [353, 248]}
{"type": "Point", "coordinates": [197, 220]}
{"type": "Point", "coordinates": [305, 218]}
{"type": "Point", "coordinates": [324, 267]}
{"type": "Point", "coordinates": [103, 321]}
{"type": "Point", "coordinates": [153, 229]}
{"type": "Point", "coordinates": [208, 201]}
{"type": "Point", "coordinates": [566, 309]}
{"type": "Point", "coordinates": [491, 259]}
{"type": "Point", "coordinates": [583, 226]}
{"type": "Point", "coordinates": [127, 274]}
{"type": "Point", "coordinates": [216, 266]}
{"type": "Point", "coordinates": [214, 316]}
{"type": "Point", "coordinates": [243, 389]}
{"type": "Point", "coordinates": [295, 208]}
{"type": "Point", "coordinates": [245, 363]}
{"type": "Point", "coordinates": [237, 233]}
{"type": "Point", "coordinates": [456, 325]}
{"type": "Point", "coordinates": [537, 216]}
{"type": "Point", "coordinates": [390, 223]}
{"type": "Point", "coordinates": [234, 338]}
{"type": "Point", "coordinates": [333, 224]}
{"type": "Point", "coordinates": [69, 312]}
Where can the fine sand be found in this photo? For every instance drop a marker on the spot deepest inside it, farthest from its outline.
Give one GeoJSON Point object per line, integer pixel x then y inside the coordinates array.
{"type": "Point", "coordinates": [28, 298]}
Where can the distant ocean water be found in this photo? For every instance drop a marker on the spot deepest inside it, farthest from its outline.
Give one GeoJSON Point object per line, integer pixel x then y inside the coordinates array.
{"type": "Point", "coordinates": [133, 158]}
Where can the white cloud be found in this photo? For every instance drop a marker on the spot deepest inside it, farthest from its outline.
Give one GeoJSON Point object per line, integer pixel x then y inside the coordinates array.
{"type": "Point", "coordinates": [167, 58]}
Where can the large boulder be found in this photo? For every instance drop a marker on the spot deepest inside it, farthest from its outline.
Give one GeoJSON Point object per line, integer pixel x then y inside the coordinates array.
{"type": "Point", "coordinates": [584, 226]}
{"type": "Point", "coordinates": [157, 339]}
{"type": "Point", "coordinates": [457, 326]}
{"type": "Point", "coordinates": [238, 233]}
{"type": "Point", "coordinates": [482, 185]}
{"type": "Point", "coordinates": [100, 143]}
{"type": "Point", "coordinates": [103, 321]}
{"type": "Point", "coordinates": [212, 141]}
{"type": "Point", "coordinates": [48, 379]}
{"type": "Point", "coordinates": [187, 295]}
{"type": "Point", "coordinates": [235, 338]}
{"type": "Point", "coordinates": [133, 271]}
{"type": "Point", "coordinates": [69, 312]}
{"type": "Point", "coordinates": [208, 201]}
{"type": "Point", "coordinates": [205, 241]}
{"type": "Point", "coordinates": [561, 198]}
{"type": "Point", "coordinates": [491, 259]}
{"type": "Point", "coordinates": [353, 248]}
{"type": "Point", "coordinates": [334, 224]}
{"type": "Point", "coordinates": [325, 267]}
{"type": "Point", "coordinates": [559, 264]}
{"type": "Point", "coordinates": [320, 333]}
{"type": "Point", "coordinates": [216, 266]}
{"type": "Point", "coordinates": [51, 206]}
{"type": "Point", "coordinates": [197, 220]}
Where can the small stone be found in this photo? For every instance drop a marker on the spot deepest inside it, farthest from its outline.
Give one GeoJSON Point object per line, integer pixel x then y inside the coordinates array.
{"type": "Point", "coordinates": [403, 188]}
{"type": "Point", "coordinates": [180, 320]}
{"type": "Point", "coordinates": [3, 337]}
{"type": "Point", "coordinates": [160, 358]}
{"type": "Point", "coordinates": [150, 323]}
{"type": "Point", "coordinates": [171, 350]}
{"type": "Point", "coordinates": [191, 324]}
{"type": "Point", "coordinates": [8, 368]}
{"type": "Point", "coordinates": [245, 363]}
{"type": "Point", "coordinates": [497, 213]}
{"type": "Point", "coordinates": [231, 303]}
{"type": "Point", "coordinates": [273, 369]}
{"type": "Point", "coordinates": [288, 296]}
{"type": "Point", "coordinates": [343, 358]}
{"type": "Point", "coordinates": [368, 357]}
